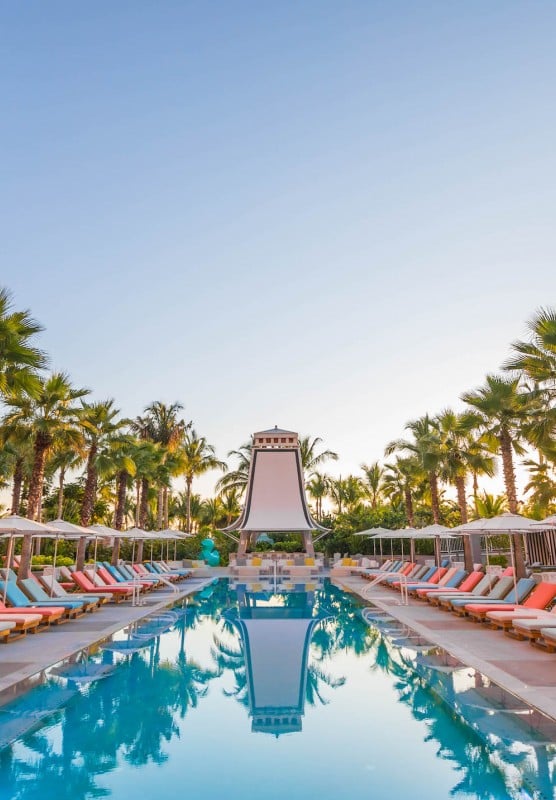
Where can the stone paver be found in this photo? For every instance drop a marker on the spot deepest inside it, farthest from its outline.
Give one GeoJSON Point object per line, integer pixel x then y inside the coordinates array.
{"type": "Point", "coordinates": [516, 666]}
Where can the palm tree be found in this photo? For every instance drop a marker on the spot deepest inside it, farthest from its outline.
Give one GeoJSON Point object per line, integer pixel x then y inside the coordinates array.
{"type": "Point", "coordinates": [318, 488]}
{"type": "Point", "coordinates": [230, 504]}
{"type": "Point", "coordinates": [19, 358]}
{"type": "Point", "coordinates": [542, 487]}
{"type": "Point", "coordinates": [64, 458]}
{"type": "Point", "coordinates": [310, 457]}
{"type": "Point", "coordinates": [197, 457]}
{"type": "Point", "coordinates": [50, 414]}
{"type": "Point", "coordinates": [237, 478]}
{"type": "Point", "coordinates": [425, 447]}
{"type": "Point", "coordinates": [18, 453]}
{"type": "Point", "coordinates": [98, 424]}
{"type": "Point", "coordinates": [502, 408]}
{"type": "Point", "coordinates": [161, 424]}
{"type": "Point", "coordinates": [400, 483]}
{"type": "Point", "coordinates": [490, 506]}
{"type": "Point", "coordinates": [536, 358]}
{"type": "Point", "coordinates": [372, 482]}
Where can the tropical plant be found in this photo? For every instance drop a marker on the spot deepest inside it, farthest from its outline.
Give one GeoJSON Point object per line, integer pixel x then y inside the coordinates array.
{"type": "Point", "coordinates": [197, 457]}
{"type": "Point", "coordinates": [20, 360]}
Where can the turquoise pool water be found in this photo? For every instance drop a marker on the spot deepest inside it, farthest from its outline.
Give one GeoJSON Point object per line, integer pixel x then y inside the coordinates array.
{"type": "Point", "coordinates": [246, 692]}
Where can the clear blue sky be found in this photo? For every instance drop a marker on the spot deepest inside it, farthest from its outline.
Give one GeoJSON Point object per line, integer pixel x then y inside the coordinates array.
{"type": "Point", "coordinates": [333, 216]}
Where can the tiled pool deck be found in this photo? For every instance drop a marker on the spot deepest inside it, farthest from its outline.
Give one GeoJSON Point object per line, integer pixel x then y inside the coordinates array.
{"type": "Point", "coordinates": [26, 657]}
{"type": "Point", "coordinates": [516, 666]}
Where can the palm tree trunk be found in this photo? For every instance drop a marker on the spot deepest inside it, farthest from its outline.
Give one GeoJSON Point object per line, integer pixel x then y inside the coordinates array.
{"type": "Point", "coordinates": [166, 521]}
{"type": "Point", "coordinates": [188, 482]}
{"type": "Point", "coordinates": [121, 491]}
{"type": "Point", "coordinates": [81, 553]}
{"type": "Point", "coordinates": [139, 551]}
{"type": "Point", "coordinates": [24, 569]}
{"type": "Point", "coordinates": [61, 478]}
{"type": "Point", "coordinates": [137, 502]}
{"type": "Point", "coordinates": [90, 493]}
{"type": "Point", "coordinates": [160, 508]}
{"type": "Point", "coordinates": [511, 493]}
{"type": "Point", "coordinates": [115, 553]}
{"type": "Point", "coordinates": [144, 505]}
{"type": "Point", "coordinates": [34, 498]}
{"type": "Point", "coordinates": [462, 500]}
{"type": "Point", "coordinates": [435, 504]}
{"type": "Point", "coordinates": [408, 501]}
{"type": "Point", "coordinates": [475, 490]}
{"type": "Point", "coordinates": [17, 485]}
{"type": "Point", "coordinates": [508, 469]}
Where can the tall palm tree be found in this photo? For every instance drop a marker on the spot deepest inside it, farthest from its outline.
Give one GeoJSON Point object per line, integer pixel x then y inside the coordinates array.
{"type": "Point", "coordinates": [98, 422]}
{"type": "Point", "coordinates": [50, 413]}
{"type": "Point", "coordinates": [237, 478]}
{"type": "Point", "coordinates": [18, 453]}
{"type": "Point", "coordinates": [318, 488]}
{"type": "Point", "coordinates": [425, 447]}
{"type": "Point", "coordinates": [401, 480]}
{"type": "Point", "coordinates": [162, 425]}
{"type": "Point", "coordinates": [310, 457]}
{"type": "Point", "coordinates": [536, 358]}
{"type": "Point", "coordinates": [502, 409]}
{"type": "Point", "coordinates": [197, 457]}
{"type": "Point", "coordinates": [65, 457]}
{"type": "Point", "coordinates": [19, 358]}
{"type": "Point", "coordinates": [373, 482]}
{"type": "Point", "coordinates": [230, 503]}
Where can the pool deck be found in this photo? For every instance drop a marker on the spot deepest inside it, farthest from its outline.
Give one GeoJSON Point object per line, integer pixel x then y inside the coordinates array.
{"type": "Point", "coordinates": [524, 670]}
{"type": "Point", "coordinates": [32, 654]}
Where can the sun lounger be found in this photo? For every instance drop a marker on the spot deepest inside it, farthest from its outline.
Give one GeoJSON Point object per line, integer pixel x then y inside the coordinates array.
{"type": "Point", "coordinates": [109, 580]}
{"type": "Point", "coordinates": [18, 599]}
{"type": "Point", "coordinates": [549, 637]}
{"type": "Point", "coordinates": [527, 624]}
{"type": "Point", "coordinates": [24, 623]}
{"type": "Point", "coordinates": [467, 584]}
{"type": "Point", "coordinates": [118, 593]}
{"type": "Point", "coordinates": [501, 590]}
{"type": "Point", "coordinates": [439, 577]}
{"type": "Point", "coordinates": [481, 588]}
{"type": "Point", "coordinates": [55, 589]}
{"type": "Point", "coordinates": [6, 629]}
{"type": "Point", "coordinates": [457, 577]}
{"type": "Point", "coordinates": [50, 615]}
{"type": "Point", "coordinates": [37, 595]}
{"type": "Point", "coordinates": [528, 595]}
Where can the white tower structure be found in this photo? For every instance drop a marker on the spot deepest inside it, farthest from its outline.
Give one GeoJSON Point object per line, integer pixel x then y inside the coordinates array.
{"type": "Point", "coordinates": [275, 500]}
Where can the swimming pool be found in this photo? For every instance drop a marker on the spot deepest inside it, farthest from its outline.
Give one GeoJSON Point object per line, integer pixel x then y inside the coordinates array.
{"type": "Point", "coordinates": [247, 692]}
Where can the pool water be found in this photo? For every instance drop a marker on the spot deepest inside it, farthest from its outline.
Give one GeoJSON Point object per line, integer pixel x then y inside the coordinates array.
{"type": "Point", "coordinates": [277, 693]}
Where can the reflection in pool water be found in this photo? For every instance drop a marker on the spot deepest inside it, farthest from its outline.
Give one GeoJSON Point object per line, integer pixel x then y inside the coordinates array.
{"type": "Point", "coordinates": [181, 707]}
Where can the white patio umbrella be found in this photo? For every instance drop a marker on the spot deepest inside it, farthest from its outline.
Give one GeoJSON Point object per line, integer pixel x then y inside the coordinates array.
{"type": "Point", "coordinates": [545, 524]}
{"type": "Point", "coordinates": [436, 532]}
{"type": "Point", "coordinates": [374, 533]}
{"type": "Point", "coordinates": [15, 526]}
{"type": "Point", "coordinates": [69, 531]}
{"type": "Point", "coordinates": [507, 524]}
{"type": "Point", "coordinates": [103, 532]}
{"type": "Point", "coordinates": [171, 535]}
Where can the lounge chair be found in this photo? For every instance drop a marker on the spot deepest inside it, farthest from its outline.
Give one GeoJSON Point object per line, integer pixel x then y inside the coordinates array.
{"type": "Point", "coordinates": [481, 588]}
{"type": "Point", "coordinates": [6, 629]}
{"type": "Point", "coordinates": [528, 624]}
{"type": "Point", "coordinates": [118, 593]}
{"type": "Point", "coordinates": [456, 578]}
{"type": "Point", "coordinates": [24, 623]}
{"type": "Point", "coordinates": [549, 637]}
{"type": "Point", "coordinates": [439, 577]}
{"type": "Point", "coordinates": [538, 602]}
{"type": "Point", "coordinates": [500, 591]}
{"type": "Point", "coordinates": [50, 615]}
{"type": "Point", "coordinates": [467, 584]}
{"type": "Point", "coordinates": [54, 590]}
{"type": "Point", "coordinates": [106, 578]}
{"type": "Point", "coordinates": [37, 595]}
{"type": "Point", "coordinates": [18, 599]}
{"type": "Point", "coordinates": [528, 594]}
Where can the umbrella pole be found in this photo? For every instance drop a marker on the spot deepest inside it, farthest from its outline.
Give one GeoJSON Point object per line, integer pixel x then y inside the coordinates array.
{"type": "Point", "coordinates": [152, 546]}
{"type": "Point", "coordinates": [512, 557]}
{"type": "Point", "coordinates": [54, 567]}
{"type": "Point", "coordinates": [9, 555]}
